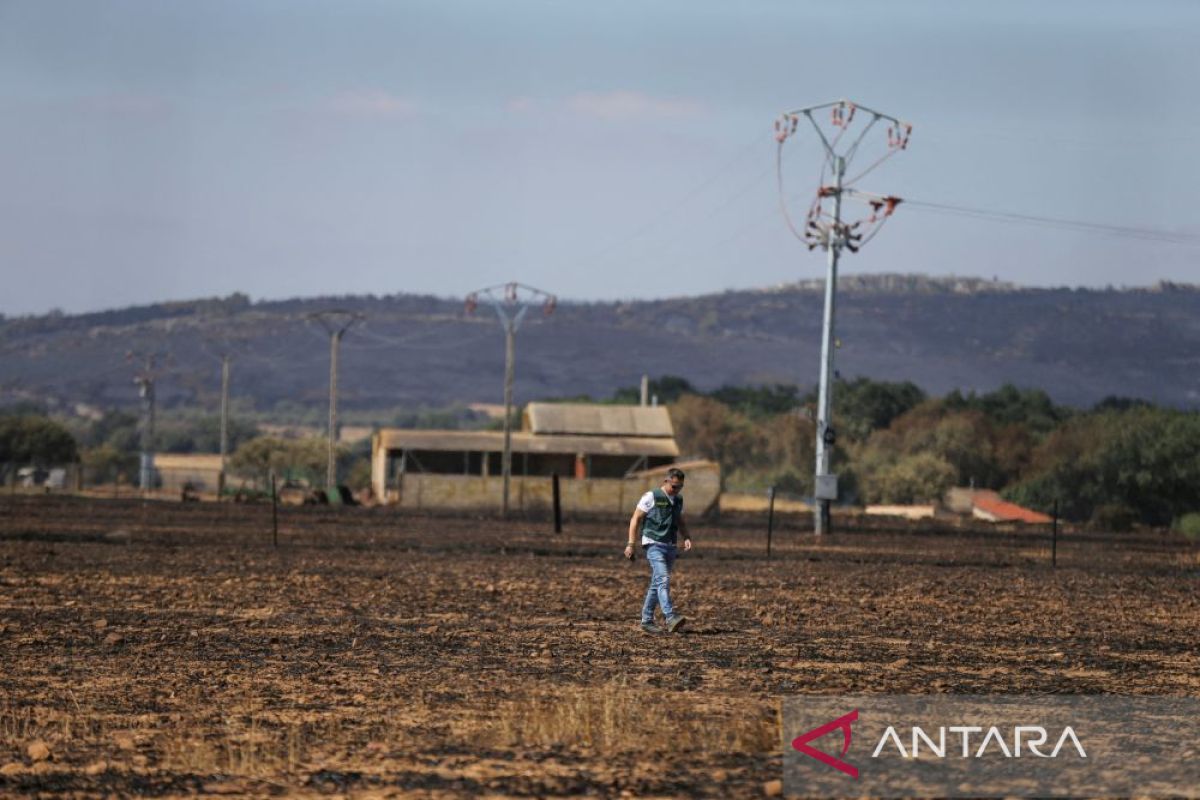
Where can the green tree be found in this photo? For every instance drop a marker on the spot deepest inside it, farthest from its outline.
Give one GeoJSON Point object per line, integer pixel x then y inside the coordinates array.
{"type": "Point", "coordinates": [1116, 403]}
{"type": "Point", "coordinates": [1144, 459]}
{"type": "Point", "coordinates": [175, 438]}
{"type": "Point", "coordinates": [36, 440]}
{"type": "Point", "coordinates": [978, 450]}
{"type": "Point", "coordinates": [790, 453]}
{"type": "Point", "coordinates": [1032, 408]}
{"type": "Point", "coordinates": [759, 402]}
{"type": "Point", "coordinates": [358, 476]}
{"type": "Point", "coordinates": [913, 478]}
{"type": "Point", "coordinates": [116, 428]}
{"type": "Point", "coordinates": [862, 406]}
{"type": "Point", "coordinates": [303, 459]}
{"type": "Point", "coordinates": [104, 464]}
{"type": "Point", "coordinates": [206, 433]}
{"type": "Point", "coordinates": [667, 388]}
{"type": "Point", "coordinates": [706, 428]}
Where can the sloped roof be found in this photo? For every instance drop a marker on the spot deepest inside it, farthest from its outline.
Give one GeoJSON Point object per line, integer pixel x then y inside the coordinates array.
{"type": "Point", "coordinates": [1003, 511]}
{"type": "Point", "coordinates": [595, 419]}
{"type": "Point", "coordinates": [524, 442]}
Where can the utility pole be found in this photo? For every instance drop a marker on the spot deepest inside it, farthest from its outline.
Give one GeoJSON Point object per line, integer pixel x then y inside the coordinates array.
{"type": "Point", "coordinates": [145, 380]}
{"type": "Point", "coordinates": [826, 436]}
{"type": "Point", "coordinates": [335, 322]}
{"type": "Point", "coordinates": [825, 228]}
{"type": "Point", "coordinates": [222, 350]}
{"type": "Point", "coordinates": [224, 424]}
{"type": "Point", "coordinates": [511, 301]}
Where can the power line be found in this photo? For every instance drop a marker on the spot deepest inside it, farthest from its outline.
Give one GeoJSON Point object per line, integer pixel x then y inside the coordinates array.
{"type": "Point", "coordinates": [1129, 231]}
{"type": "Point", "coordinates": [680, 245]}
{"type": "Point", "coordinates": [688, 197]}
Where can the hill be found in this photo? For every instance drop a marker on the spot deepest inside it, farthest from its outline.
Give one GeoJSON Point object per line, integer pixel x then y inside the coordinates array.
{"type": "Point", "coordinates": [1080, 345]}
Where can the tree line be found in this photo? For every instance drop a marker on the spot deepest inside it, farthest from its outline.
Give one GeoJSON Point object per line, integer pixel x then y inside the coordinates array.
{"type": "Point", "coordinates": [1121, 462]}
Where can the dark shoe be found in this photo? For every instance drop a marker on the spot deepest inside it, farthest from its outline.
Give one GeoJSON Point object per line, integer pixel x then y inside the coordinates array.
{"type": "Point", "coordinates": [676, 622]}
{"type": "Point", "coordinates": [650, 627]}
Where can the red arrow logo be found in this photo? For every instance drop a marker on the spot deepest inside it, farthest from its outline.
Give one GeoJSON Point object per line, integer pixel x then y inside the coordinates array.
{"type": "Point", "coordinates": [800, 743]}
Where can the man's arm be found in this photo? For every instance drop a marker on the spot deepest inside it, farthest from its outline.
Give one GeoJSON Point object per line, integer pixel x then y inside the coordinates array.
{"type": "Point", "coordinates": [635, 525]}
{"type": "Point", "coordinates": [687, 537]}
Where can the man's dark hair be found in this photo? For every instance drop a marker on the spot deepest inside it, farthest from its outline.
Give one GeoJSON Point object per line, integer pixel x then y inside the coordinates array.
{"type": "Point", "coordinates": [674, 472]}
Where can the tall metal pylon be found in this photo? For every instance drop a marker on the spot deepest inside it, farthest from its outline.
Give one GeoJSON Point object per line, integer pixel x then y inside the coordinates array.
{"type": "Point", "coordinates": [512, 301]}
{"type": "Point", "coordinates": [335, 322]}
{"type": "Point", "coordinates": [224, 424]}
{"type": "Point", "coordinates": [224, 354]}
{"type": "Point", "coordinates": [825, 228]}
{"type": "Point", "coordinates": [145, 379]}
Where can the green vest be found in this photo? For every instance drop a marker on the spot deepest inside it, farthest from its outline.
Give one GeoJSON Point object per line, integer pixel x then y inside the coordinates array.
{"type": "Point", "coordinates": [662, 522]}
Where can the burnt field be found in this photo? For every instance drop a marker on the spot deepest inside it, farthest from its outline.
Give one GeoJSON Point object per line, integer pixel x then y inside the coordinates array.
{"type": "Point", "coordinates": [170, 649]}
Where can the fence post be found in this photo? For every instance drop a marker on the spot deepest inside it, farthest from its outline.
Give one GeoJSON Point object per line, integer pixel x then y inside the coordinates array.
{"type": "Point", "coordinates": [274, 513]}
{"type": "Point", "coordinates": [770, 518]}
{"type": "Point", "coordinates": [557, 504]}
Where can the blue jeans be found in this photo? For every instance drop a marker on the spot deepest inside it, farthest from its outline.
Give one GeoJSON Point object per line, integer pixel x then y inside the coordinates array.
{"type": "Point", "coordinates": [662, 559]}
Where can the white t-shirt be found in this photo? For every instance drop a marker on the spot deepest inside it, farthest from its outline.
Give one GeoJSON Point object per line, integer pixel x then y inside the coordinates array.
{"type": "Point", "coordinates": [646, 504]}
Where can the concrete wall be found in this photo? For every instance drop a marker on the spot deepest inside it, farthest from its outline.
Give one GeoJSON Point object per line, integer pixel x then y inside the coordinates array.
{"type": "Point", "coordinates": [908, 512]}
{"type": "Point", "coordinates": [759, 502]}
{"type": "Point", "coordinates": [201, 479]}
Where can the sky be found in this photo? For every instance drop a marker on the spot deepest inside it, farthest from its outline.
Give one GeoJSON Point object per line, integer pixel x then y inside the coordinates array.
{"type": "Point", "coordinates": [154, 151]}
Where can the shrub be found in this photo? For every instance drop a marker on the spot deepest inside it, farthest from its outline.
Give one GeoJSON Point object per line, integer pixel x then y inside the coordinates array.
{"type": "Point", "coordinates": [918, 478]}
{"type": "Point", "coordinates": [104, 464]}
{"type": "Point", "coordinates": [1113, 517]}
{"type": "Point", "coordinates": [359, 476]}
{"type": "Point", "coordinates": [1189, 525]}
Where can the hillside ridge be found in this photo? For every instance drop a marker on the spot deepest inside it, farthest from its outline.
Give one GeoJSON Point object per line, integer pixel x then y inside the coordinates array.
{"type": "Point", "coordinates": [943, 333]}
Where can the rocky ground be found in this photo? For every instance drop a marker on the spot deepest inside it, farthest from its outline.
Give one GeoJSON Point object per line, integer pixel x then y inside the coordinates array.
{"type": "Point", "coordinates": [172, 649]}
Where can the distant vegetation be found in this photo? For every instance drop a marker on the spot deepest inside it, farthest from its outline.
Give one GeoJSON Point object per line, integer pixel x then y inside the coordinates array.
{"type": "Point", "coordinates": [418, 361]}
{"type": "Point", "coordinates": [1122, 462]}
{"type": "Point", "coordinates": [35, 440]}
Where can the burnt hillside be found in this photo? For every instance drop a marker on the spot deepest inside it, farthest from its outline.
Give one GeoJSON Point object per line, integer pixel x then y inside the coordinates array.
{"type": "Point", "coordinates": [1079, 345]}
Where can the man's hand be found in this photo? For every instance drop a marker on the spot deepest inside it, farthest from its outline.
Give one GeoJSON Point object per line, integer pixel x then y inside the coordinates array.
{"type": "Point", "coordinates": [687, 544]}
{"type": "Point", "coordinates": [629, 552]}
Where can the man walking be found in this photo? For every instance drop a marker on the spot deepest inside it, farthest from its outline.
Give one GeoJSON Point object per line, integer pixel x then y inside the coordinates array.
{"type": "Point", "coordinates": [659, 519]}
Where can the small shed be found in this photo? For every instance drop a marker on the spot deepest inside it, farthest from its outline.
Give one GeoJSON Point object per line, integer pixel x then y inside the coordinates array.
{"type": "Point", "coordinates": [991, 507]}
{"type": "Point", "coordinates": [987, 505]}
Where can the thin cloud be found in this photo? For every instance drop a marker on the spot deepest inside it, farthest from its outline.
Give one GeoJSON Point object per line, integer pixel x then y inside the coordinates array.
{"type": "Point", "coordinates": [624, 104]}
{"type": "Point", "coordinates": [520, 105]}
{"type": "Point", "coordinates": [371, 103]}
{"type": "Point", "coordinates": [128, 104]}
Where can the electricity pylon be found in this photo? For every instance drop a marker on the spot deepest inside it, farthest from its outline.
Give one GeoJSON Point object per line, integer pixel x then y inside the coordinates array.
{"type": "Point", "coordinates": [224, 423]}
{"type": "Point", "coordinates": [225, 356]}
{"type": "Point", "coordinates": [335, 322]}
{"type": "Point", "coordinates": [511, 301]}
{"type": "Point", "coordinates": [825, 228]}
{"type": "Point", "coordinates": [145, 379]}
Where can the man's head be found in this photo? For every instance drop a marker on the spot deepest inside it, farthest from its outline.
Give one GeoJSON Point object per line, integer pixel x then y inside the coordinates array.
{"type": "Point", "coordinates": [673, 483]}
